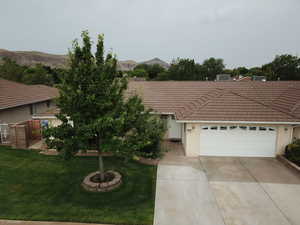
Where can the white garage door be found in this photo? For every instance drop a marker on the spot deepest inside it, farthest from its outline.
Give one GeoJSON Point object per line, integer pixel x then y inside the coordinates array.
{"type": "Point", "coordinates": [259, 141]}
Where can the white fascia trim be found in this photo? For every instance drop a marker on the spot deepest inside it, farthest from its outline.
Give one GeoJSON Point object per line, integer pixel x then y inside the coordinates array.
{"type": "Point", "coordinates": [236, 122]}
{"type": "Point", "coordinates": [163, 113]}
{"type": "Point", "coordinates": [44, 117]}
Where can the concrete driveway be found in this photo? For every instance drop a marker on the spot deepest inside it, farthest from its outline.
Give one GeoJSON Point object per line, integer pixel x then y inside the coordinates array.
{"type": "Point", "coordinates": [226, 191]}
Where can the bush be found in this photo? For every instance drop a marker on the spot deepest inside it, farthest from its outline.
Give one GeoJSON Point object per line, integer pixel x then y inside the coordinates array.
{"type": "Point", "coordinates": [152, 151]}
{"type": "Point", "coordinates": [292, 152]}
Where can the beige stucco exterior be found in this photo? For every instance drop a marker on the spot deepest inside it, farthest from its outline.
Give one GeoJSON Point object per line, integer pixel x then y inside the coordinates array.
{"type": "Point", "coordinates": [23, 113]}
{"type": "Point", "coordinates": [192, 140]}
{"type": "Point", "coordinates": [296, 133]}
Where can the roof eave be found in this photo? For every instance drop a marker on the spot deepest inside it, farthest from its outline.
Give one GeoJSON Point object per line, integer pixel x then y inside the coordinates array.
{"type": "Point", "coordinates": [27, 103]}
{"type": "Point", "coordinates": [239, 122]}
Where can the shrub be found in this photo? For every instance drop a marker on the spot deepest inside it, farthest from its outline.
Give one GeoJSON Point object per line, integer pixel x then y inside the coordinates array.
{"type": "Point", "coordinates": [292, 152]}
{"type": "Point", "coordinates": [152, 151]}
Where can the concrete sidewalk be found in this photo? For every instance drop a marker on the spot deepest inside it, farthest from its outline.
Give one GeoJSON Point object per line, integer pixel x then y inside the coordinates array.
{"type": "Point", "coordinates": [183, 195]}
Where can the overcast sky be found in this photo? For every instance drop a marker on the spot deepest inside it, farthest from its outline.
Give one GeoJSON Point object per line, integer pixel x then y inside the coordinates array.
{"type": "Point", "coordinates": [242, 32]}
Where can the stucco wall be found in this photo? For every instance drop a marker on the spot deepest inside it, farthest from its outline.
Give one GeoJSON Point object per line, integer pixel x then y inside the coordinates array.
{"type": "Point", "coordinates": [296, 133]}
{"type": "Point", "coordinates": [192, 145]}
{"type": "Point", "coordinates": [22, 113]}
{"type": "Point", "coordinates": [284, 137]}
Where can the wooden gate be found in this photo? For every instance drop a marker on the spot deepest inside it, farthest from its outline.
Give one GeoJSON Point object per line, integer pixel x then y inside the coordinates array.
{"type": "Point", "coordinates": [34, 130]}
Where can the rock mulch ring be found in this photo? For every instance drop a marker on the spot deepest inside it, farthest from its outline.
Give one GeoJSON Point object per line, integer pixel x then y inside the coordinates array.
{"type": "Point", "coordinates": [90, 185]}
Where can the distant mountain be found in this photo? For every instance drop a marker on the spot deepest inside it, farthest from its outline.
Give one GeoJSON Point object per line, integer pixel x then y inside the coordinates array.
{"type": "Point", "coordinates": [127, 65]}
{"type": "Point", "coordinates": [30, 58]}
{"type": "Point", "coordinates": [156, 61]}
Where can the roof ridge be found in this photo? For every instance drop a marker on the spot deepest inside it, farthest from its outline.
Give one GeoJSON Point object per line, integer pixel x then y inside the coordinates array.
{"type": "Point", "coordinates": [206, 102]}
{"type": "Point", "coordinates": [282, 94]}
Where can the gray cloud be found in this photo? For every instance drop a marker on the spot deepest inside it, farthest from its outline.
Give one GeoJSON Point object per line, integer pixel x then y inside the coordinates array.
{"type": "Point", "coordinates": [242, 32]}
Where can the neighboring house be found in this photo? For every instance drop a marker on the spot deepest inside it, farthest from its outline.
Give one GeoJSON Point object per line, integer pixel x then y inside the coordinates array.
{"type": "Point", "coordinates": [259, 78]}
{"type": "Point", "coordinates": [224, 118]}
{"type": "Point", "coordinates": [243, 78]}
{"type": "Point", "coordinates": [223, 77]}
{"type": "Point", "coordinates": [18, 102]}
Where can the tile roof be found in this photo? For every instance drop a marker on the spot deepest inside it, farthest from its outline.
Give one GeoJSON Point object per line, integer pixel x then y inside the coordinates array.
{"type": "Point", "coordinates": [255, 101]}
{"type": "Point", "coordinates": [14, 94]}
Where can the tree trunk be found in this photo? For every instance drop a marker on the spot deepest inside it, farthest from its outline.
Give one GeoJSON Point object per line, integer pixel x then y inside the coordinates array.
{"type": "Point", "coordinates": [101, 166]}
{"type": "Point", "coordinates": [100, 161]}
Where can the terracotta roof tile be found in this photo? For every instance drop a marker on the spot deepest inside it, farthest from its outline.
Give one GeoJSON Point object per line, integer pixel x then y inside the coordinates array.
{"type": "Point", "coordinates": [14, 94]}
{"type": "Point", "coordinates": [223, 101]}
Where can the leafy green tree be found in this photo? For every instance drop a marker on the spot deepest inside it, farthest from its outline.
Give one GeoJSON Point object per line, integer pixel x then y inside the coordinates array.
{"type": "Point", "coordinates": [163, 76]}
{"type": "Point", "coordinates": [151, 70]}
{"type": "Point", "coordinates": [37, 75]}
{"type": "Point", "coordinates": [211, 67]}
{"type": "Point", "coordinates": [184, 69]}
{"type": "Point", "coordinates": [255, 71]}
{"type": "Point", "coordinates": [240, 71]}
{"type": "Point", "coordinates": [93, 109]}
{"type": "Point", "coordinates": [138, 73]}
{"type": "Point", "coordinates": [10, 70]}
{"type": "Point", "coordinates": [285, 67]}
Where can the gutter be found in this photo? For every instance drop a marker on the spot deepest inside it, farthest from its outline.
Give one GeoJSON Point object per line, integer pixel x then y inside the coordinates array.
{"type": "Point", "coordinates": [27, 103]}
{"type": "Point", "coordinates": [235, 122]}
{"type": "Point", "coordinates": [43, 117]}
{"type": "Point", "coordinates": [162, 113]}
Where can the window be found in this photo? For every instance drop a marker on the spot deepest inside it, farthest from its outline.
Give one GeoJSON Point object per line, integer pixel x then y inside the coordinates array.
{"type": "Point", "coordinates": [48, 104]}
{"type": "Point", "coordinates": [204, 128]}
{"type": "Point", "coordinates": [232, 127]}
{"type": "Point", "coordinates": [223, 128]}
{"type": "Point", "coordinates": [243, 127]}
{"type": "Point", "coordinates": [252, 128]}
{"type": "Point", "coordinates": [214, 128]}
{"type": "Point", "coordinates": [262, 128]}
{"type": "Point", "coordinates": [271, 129]}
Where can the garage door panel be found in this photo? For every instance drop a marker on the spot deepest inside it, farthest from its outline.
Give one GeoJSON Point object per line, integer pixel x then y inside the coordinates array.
{"type": "Point", "coordinates": [238, 142]}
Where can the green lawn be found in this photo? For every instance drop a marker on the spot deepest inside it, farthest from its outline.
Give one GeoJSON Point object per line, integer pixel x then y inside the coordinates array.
{"type": "Point", "coordinates": [46, 188]}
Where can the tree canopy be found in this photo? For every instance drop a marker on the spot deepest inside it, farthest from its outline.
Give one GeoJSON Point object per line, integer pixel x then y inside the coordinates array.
{"type": "Point", "coordinates": [184, 69]}
{"type": "Point", "coordinates": [211, 67]}
{"type": "Point", "coordinates": [37, 74]}
{"type": "Point", "coordinates": [149, 72]}
{"type": "Point", "coordinates": [92, 96]}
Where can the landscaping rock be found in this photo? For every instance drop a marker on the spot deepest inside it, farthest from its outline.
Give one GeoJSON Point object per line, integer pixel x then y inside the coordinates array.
{"type": "Point", "coordinates": [89, 185]}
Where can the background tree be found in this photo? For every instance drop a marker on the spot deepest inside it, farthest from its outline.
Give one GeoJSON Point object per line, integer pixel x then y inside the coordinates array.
{"type": "Point", "coordinates": [37, 75]}
{"type": "Point", "coordinates": [211, 67]}
{"type": "Point", "coordinates": [152, 71]}
{"type": "Point", "coordinates": [138, 73]}
{"type": "Point", "coordinates": [184, 69]}
{"type": "Point", "coordinates": [285, 67]}
{"type": "Point", "coordinates": [10, 70]}
{"type": "Point", "coordinates": [240, 71]}
{"type": "Point", "coordinates": [92, 97]}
